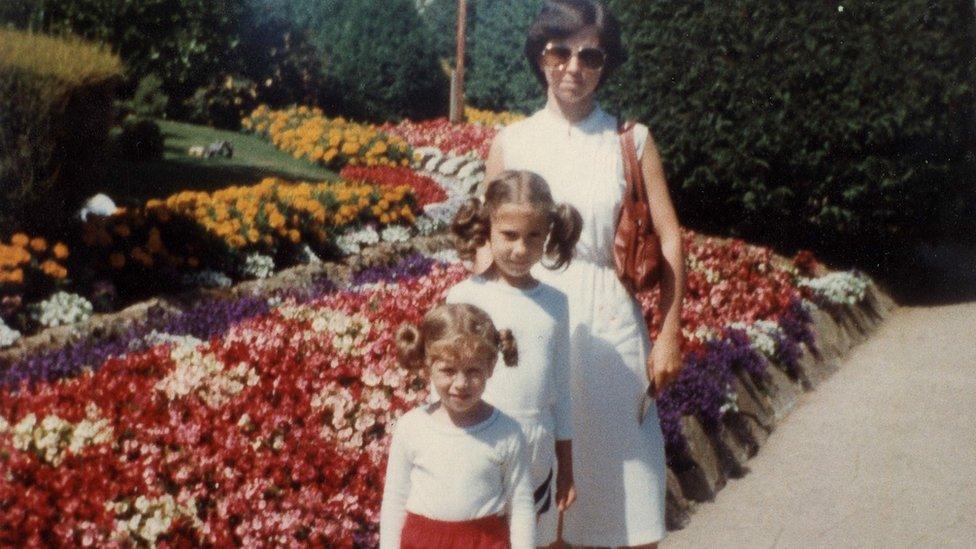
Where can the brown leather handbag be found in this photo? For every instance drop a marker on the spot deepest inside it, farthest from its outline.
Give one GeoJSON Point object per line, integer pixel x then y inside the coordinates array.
{"type": "Point", "coordinates": [636, 247]}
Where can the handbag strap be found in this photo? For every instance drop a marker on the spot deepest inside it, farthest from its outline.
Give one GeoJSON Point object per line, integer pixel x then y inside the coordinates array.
{"type": "Point", "coordinates": [636, 189]}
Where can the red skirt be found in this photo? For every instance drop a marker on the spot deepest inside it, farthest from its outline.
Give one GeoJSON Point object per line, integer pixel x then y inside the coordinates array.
{"type": "Point", "coordinates": [490, 532]}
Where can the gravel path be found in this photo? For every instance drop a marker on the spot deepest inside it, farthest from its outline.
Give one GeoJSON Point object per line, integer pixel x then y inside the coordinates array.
{"type": "Point", "coordinates": [882, 454]}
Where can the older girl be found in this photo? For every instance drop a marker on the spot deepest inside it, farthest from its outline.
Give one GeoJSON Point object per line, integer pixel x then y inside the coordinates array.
{"type": "Point", "coordinates": [522, 225]}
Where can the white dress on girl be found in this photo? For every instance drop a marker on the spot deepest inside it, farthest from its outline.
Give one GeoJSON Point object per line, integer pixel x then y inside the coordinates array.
{"type": "Point", "coordinates": [619, 464]}
{"type": "Point", "coordinates": [449, 473]}
{"type": "Point", "coordinates": [536, 391]}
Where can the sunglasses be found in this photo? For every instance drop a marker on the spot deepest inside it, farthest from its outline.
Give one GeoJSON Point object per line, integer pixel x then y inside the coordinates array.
{"type": "Point", "coordinates": [558, 56]}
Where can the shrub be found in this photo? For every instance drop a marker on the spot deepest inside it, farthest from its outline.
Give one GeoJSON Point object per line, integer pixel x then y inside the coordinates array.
{"type": "Point", "coordinates": [223, 102]}
{"type": "Point", "coordinates": [55, 113]}
{"type": "Point", "coordinates": [149, 100]}
{"type": "Point", "coordinates": [140, 140]}
{"type": "Point", "coordinates": [499, 77]}
{"type": "Point", "coordinates": [813, 123]}
{"type": "Point", "coordinates": [381, 63]}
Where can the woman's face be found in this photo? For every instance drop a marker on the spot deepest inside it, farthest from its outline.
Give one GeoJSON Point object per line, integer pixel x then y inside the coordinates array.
{"type": "Point", "coordinates": [572, 82]}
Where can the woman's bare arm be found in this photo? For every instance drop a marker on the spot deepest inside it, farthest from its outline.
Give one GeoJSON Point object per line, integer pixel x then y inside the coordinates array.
{"type": "Point", "coordinates": [664, 364]}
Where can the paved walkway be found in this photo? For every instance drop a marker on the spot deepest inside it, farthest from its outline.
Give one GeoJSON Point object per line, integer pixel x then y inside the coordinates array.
{"type": "Point", "coordinates": [882, 454]}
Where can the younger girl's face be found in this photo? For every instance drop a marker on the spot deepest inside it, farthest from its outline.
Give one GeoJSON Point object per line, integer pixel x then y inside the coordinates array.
{"type": "Point", "coordinates": [517, 241]}
{"type": "Point", "coordinates": [460, 380]}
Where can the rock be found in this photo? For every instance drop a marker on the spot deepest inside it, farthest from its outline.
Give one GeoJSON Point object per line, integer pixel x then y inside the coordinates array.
{"type": "Point", "coordinates": [781, 391]}
{"type": "Point", "coordinates": [100, 204]}
{"type": "Point", "coordinates": [431, 164]}
{"type": "Point", "coordinates": [452, 165]}
{"type": "Point", "coordinates": [677, 509]}
{"type": "Point", "coordinates": [705, 477]}
{"type": "Point", "coordinates": [831, 342]}
{"type": "Point", "coordinates": [475, 166]}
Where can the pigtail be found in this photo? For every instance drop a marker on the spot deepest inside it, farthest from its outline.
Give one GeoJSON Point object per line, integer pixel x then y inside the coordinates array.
{"type": "Point", "coordinates": [567, 224]}
{"type": "Point", "coordinates": [410, 347]}
{"type": "Point", "coordinates": [470, 227]}
{"type": "Point", "coordinates": [508, 348]}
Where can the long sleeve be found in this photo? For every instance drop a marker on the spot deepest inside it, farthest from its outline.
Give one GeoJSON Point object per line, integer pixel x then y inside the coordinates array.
{"type": "Point", "coordinates": [393, 511]}
{"type": "Point", "coordinates": [561, 374]}
{"type": "Point", "coordinates": [518, 486]}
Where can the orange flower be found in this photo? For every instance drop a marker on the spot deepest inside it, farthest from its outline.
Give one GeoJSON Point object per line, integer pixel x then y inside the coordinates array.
{"type": "Point", "coordinates": [19, 239]}
{"type": "Point", "coordinates": [117, 260]}
{"type": "Point", "coordinates": [52, 269]}
{"type": "Point", "coordinates": [16, 276]}
{"type": "Point", "coordinates": [38, 244]}
{"type": "Point", "coordinates": [60, 251]}
{"type": "Point", "coordinates": [193, 262]}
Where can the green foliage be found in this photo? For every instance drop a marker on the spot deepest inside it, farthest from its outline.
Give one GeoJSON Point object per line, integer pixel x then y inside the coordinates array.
{"type": "Point", "coordinates": [185, 42]}
{"type": "Point", "coordinates": [222, 103]}
{"type": "Point", "coordinates": [380, 62]}
{"type": "Point", "coordinates": [499, 77]}
{"type": "Point", "coordinates": [141, 140]}
{"type": "Point", "coordinates": [188, 44]}
{"type": "Point", "coordinates": [149, 100]}
{"type": "Point", "coordinates": [55, 112]}
{"type": "Point", "coordinates": [807, 122]}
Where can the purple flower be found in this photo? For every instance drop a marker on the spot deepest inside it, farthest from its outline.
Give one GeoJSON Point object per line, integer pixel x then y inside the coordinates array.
{"type": "Point", "coordinates": [412, 266]}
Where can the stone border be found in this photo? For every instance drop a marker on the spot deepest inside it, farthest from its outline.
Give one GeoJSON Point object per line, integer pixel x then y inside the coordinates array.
{"type": "Point", "coordinates": [763, 403]}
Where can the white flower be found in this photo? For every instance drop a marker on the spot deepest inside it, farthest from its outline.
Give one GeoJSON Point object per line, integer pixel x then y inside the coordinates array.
{"type": "Point", "coordinates": [447, 255]}
{"type": "Point", "coordinates": [840, 288]}
{"type": "Point", "coordinates": [395, 233]}
{"type": "Point", "coordinates": [8, 336]}
{"type": "Point", "coordinates": [426, 226]}
{"type": "Point", "coordinates": [352, 242]}
{"type": "Point", "coordinates": [258, 266]}
{"type": "Point", "coordinates": [763, 335]}
{"type": "Point", "coordinates": [53, 438]}
{"type": "Point", "coordinates": [62, 308]}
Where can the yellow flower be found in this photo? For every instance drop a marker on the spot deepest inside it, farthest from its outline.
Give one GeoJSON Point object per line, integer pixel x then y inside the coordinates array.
{"type": "Point", "coordinates": [19, 239]}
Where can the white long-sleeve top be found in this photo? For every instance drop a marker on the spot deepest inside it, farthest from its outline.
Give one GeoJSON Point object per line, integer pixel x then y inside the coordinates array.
{"type": "Point", "coordinates": [444, 472]}
{"type": "Point", "coordinates": [539, 320]}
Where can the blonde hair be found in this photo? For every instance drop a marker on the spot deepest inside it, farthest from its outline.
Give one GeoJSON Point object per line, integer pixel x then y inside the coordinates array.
{"type": "Point", "coordinates": [457, 327]}
{"type": "Point", "coordinates": [472, 223]}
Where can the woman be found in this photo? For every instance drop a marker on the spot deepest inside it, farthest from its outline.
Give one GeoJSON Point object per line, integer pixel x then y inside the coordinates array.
{"type": "Point", "coordinates": [619, 464]}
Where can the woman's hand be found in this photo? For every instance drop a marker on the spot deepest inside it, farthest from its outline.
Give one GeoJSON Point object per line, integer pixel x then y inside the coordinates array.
{"type": "Point", "coordinates": [663, 364]}
{"type": "Point", "coordinates": [565, 493]}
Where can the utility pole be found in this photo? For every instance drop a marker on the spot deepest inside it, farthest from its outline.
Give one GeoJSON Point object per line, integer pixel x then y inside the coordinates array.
{"type": "Point", "coordinates": [457, 78]}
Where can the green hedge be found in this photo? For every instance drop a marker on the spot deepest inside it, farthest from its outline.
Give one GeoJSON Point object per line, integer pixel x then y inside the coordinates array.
{"type": "Point", "coordinates": [814, 123]}
{"type": "Point", "coordinates": [55, 112]}
{"type": "Point", "coordinates": [380, 62]}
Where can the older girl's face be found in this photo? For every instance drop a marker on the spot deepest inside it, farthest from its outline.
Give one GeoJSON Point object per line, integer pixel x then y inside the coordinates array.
{"type": "Point", "coordinates": [572, 82]}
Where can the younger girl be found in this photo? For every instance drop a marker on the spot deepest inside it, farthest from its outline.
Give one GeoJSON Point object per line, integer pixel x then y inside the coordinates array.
{"type": "Point", "coordinates": [457, 466]}
{"type": "Point", "coordinates": [521, 224]}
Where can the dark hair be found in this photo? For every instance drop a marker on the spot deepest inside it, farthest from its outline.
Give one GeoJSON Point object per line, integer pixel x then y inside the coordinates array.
{"type": "Point", "coordinates": [560, 19]}
{"type": "Point", "coordinates": [472, 223]}
{"type": "Point", "coordinates": [456, 327]}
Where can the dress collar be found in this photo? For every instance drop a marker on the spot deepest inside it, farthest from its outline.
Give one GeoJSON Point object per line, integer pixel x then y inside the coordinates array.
{"type": "Point", "coordinates": [590, 124]}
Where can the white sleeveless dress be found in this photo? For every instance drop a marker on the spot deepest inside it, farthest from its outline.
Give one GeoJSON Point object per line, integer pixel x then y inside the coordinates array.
{"type": "Point", "coordinates": [619, 465]}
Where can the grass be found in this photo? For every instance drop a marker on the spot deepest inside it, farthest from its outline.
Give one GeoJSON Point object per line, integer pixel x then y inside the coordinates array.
{"type": "Point", "coordinates": [254, 159]}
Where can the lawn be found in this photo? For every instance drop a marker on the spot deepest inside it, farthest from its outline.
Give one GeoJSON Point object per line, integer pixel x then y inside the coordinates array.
{"type": "Point", "coordinates": [254, 159]}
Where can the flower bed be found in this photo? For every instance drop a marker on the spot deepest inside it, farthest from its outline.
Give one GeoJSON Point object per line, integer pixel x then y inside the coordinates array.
{"type": "Point", "coordinates": [426, 190]}
{"type": "Point", "coordinates": [266, 421]}
{"type": "Point", "coordinates": [455, 139]}
{"type": "Point", "coordinates": [331, 142]}
{"type": "Point", "coordinates": [243, 231]}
